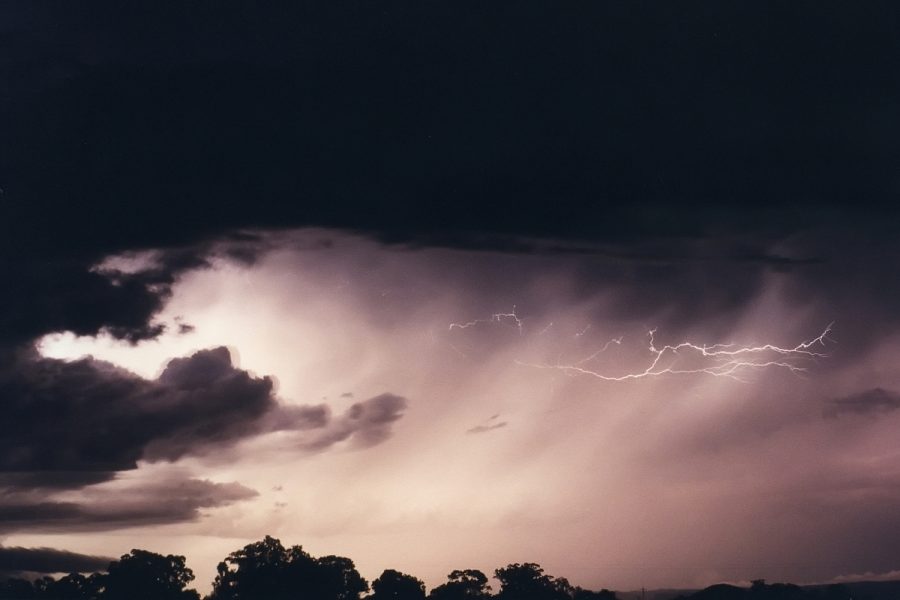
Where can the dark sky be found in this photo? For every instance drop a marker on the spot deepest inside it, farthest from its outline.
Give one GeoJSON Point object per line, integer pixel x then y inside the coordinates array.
{"type": "Point", "coordinates": [712, 169]}
{"type": "Point", "coordinates": [131, 125]}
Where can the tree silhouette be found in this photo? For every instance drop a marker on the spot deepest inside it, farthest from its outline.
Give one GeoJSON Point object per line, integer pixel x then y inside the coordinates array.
{"type": "Point", "coordinates": [74, 586]}
{"type": "Point", "coordinates": [143, 575]}
{"type": "Point", "coordinates": [394, 585]}
{"type": "Point", "coordinates": [339, 579]}
{"type": "Point", "coordinates": [528, 582]}
{"type": "Point", "coordinates": [17, 589]}
{"type": "Point", "coordinates": [255, 571]}
{"type": "Point", "coordinates": [266, 570]}
{"type": "Point", "coordinates": [468, 584]}
{"type": "Point", "coordinates": [582, 594]}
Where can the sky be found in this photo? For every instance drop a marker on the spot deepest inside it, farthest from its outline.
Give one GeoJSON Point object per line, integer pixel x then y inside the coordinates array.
{"type": "Point", "coordinates": [611, 289]}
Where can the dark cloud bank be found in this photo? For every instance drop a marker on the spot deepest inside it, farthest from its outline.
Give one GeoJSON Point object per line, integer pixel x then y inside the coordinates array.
{"type": "Point", "coordinates": [474, 127]}
{"type": "Point", "coordinates": [88, 416]}
{"type": "Point", "coordinates": [676, 149]}
{"type": "Point", "coordinates": [158, 503]}
{"type": "Point", "coordinates": [687, 147]}
{"type": "Point", "coordinates": [19, 562]}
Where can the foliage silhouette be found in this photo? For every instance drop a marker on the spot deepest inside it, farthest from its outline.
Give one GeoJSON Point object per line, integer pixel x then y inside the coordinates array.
{"type": "Point", "coordinates": [143, 575]}
{"type": "Point", "coordinates": [394, 585]}
{"type": "Point", "coordinates": [139, 575]}
{"type": "Point", "coordinates": [528, 582]}
{"type": "Point", "coordinates": [74, 586]}
{"type": "Point", "coordinates": [266, 570]}
{"type": "Point", "coordinates": [604, 594]}
{"type": "Point", "coordinates": [17, 589]}
{"type": "Point", "coordinates": [468, 584]}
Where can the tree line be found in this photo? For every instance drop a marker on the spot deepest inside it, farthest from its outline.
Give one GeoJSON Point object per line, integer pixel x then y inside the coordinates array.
{"type": "Point", "coordinates": [266, 570]}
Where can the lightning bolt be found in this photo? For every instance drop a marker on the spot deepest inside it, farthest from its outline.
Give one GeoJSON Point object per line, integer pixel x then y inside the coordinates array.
{"type": "Point", "coordinates": [494, 318]}
{"type": "Point", "coordinates": [604, 348]}
{"type": "Point", "coordinates": [719, 360]}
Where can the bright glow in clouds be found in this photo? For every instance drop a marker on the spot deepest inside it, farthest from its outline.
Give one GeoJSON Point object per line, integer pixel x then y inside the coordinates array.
{"type": "Point", "coordinates": [615, 479]}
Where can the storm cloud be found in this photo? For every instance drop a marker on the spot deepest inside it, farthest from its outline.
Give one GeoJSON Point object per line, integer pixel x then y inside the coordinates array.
{"type": "Point", "coordinates": [367, 422]}
{"type": "Point", "coordinates": [90, 417]}
{"type": "Point", "coordinates": [869, 402]}
{"type": "Point", "coordinates": [631, 146]}
{"type": "Point", "coordinates": [79, 424]}
{"type": "Point", "coordinates": [17, 561]}
{"type": "Point", "coordinates": [117, 506]}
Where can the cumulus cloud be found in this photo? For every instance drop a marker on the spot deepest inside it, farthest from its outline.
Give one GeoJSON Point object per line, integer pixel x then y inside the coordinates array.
{"type": "Point", "coordinates": [87, 417]}
{"type": "Point", "coordinates": [78, 424]}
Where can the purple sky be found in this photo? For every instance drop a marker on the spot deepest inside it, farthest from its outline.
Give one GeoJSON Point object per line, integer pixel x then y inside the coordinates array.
{"type": "Point", "coordinates": [486, 453]}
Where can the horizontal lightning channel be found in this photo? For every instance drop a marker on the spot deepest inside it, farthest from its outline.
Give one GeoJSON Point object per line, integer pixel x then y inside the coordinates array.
{"type": "Point", "coordinates": [726, 360]}
{"type": "Point", "coordinates": [495, 318]}
{"type": "Point", "coordinates": [719, 360]}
